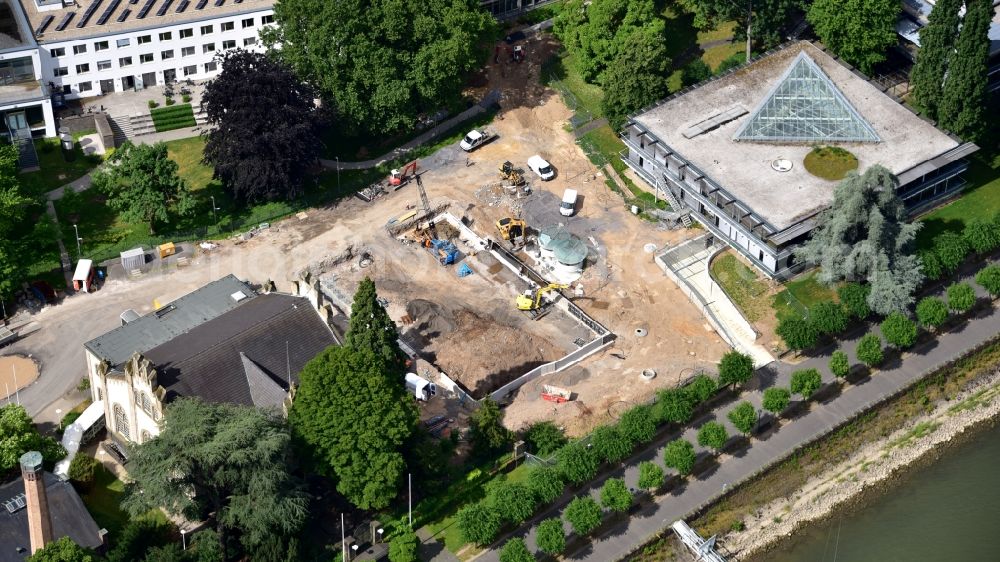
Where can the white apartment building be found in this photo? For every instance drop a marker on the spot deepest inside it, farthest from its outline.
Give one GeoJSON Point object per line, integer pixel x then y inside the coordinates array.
{"type": "Point", "coordinates": [25, 105]}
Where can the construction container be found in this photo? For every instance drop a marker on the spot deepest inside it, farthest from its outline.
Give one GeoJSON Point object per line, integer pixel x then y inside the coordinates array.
{"type": "Point", "coordinates": [83, 277]}
{"type": "Point", "coordinates": [167, 249]}
{"type": "Point", "coordinates": [133, 259]}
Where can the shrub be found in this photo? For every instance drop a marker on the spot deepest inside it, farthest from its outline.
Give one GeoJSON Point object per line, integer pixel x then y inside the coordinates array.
{"type": "Point", "coordinates": [478, 523]}
{"type": "Point", "coordinates": [930, 265]}
{"type": "Point", "coordinates": [701, 388]}
{"type": "Point", "coordinates": [806, 381]}
{"type": "Point", "coordinates": [637, 424]}
{"type": "Point", "coordinates": [81, 470]}
{"type": "Point", "coordinates": [951, 249]}
{"type": "Point", "coordinates": [899, 330]}
{"type": "Point", "coordinates": [615, 495]}
{"type": "Point", "coordinates": [583, 514]}
{"type": "Point", "coordinates": [577, 463]}
{"type": "Point", "coordinates": [674, 405]}
{"type": "Point", "coordinates": [961, 297]}
{"type": "Point", "coordinates": [68, 419]}
{"type": "Point", "coordinates": [734, 60]}
{"type": "Point", "coordinates": [989, 279]}
{"type": "Point", "coordinates": [650, 475]}
{"type": "Point", "coordinates": [545, 438]}
{"type": "Point", "coordinates": [609, 444]}
{"type": "Point", "coordinates": [404, 548]}
{"type": "Point", "coordinates": [513, 501]}
{"type": "Point", "coordinates": [713, 435]}
{"type": "Point", "coordinates": [170, 101]}
{"type": "Point", "coordinates": [743, 417]}
{"type": "Point", "coordinates": [136, 538]}
{"type": "Point", "coordinates": [870, 350]}
{"type": "Point", "coordinates": [679, 455]}
{"type": "Point", "coordinates": [840, 365]}
{"type": "Point", "coordinates": [735, 368]}
{"type": "Point", "coordinates": [854, 298]}
{"type": "Point", "coordinates": [695, 71]}
{"type": "Point", "coordinates": [545, 483]}
{"type": "Point", "coordinates": [152, 104]}
{"type": "Point", "coordinates": [982, 236]}
{"type": "Point", "coordinates": [828, 317]}
{"type": "Point", "coordinates": [932, 312]}
{"type": "Point", "coordinates": [776, 399]}
{"type": "Point", "coordinates": [185, 98]}
{"type": "Point", "coordinates": [515, 550]}
{"type": "Point", "coordinates": [797, 333]}
{"type": "Point", "coordinates": [550, 537]}
{"type": "Point", "coordinates": [84, 383]}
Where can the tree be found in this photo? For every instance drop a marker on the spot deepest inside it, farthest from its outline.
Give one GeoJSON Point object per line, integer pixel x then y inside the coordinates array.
{"type": "Point", "coordinates": [859, 31]}
{"type": "Point", "coordinates": [759, 21]}
{"type": "Point", "coordinates": [263, 138]}
{"type": "Point", "coordinates": [674, 405]}
{"type": "Point", "coordinates": [583, 514]}
{"type": "Point", "coordinates": [486, 427]}
{"type": "Point", "coordinates": [638, 75]}
{"type": "Point", "coordinates": [371, 328]}
{"type": "Point", "coordinates": [515, 550]}
{"type": "Point", "coordinates": [545, 438]}
{"type": "Point", "coordinates": [930, 264]}
{"type": "Point", "coordinates": [650, 475]}
{"type": "Point", "coordinates": [63, 549]}
{"type": "Point", "coordinates": [776, 399]}
{"type": "Point", "coordinates": [695, 72]}
{"type": "Point", "coordinates": [597, 33]}
{"type": "Point", "coordinates": [140, 535]}
{"type": "Point", "coordinates": [360, 446]}
{"type": "Point", "coordinates": [545, 483]}
{"type": "Point", "coordinates": [870, 350]}
{"type": "Point", "coordinates": [735, 368]}
{"type": "Point", "coordinates": [478, 523]}
{"type": "Point", "coordinates": [637, 424]}
{"type": "Point", "coordinates": [615, 495]}
{"type": "Point", "coordinates": [797, 333]}
{"type": "Point", "coordinates": [982, 236]}
{"type": "Point", "coordinates": [963, 101]}
{"type": "Point", "coordinates": [550, 537]}
{"type": "Point", "coordinates": [403, 548]}
{"type": "Point", "coordinates": [864, 236]}
{"type": "Point", "coordinates": [609, 444]}
{"type": "Point", "coordinates": [577, 463]}
{"type": "Point", "coordinates": [937, 44]}
{"type": "Point", "coordinates": [932, 312]}
{"type": "Point", "coordinates": [228, 460]}
{"type": "Point", "coordinates": [81, 470]}
{"type": "Point", "coordinates": [743, 417]}
{"type": "Point", "coordinates": [18, 435]}
{"type": "Point", "coordinates": [805, 382]}
{"type": "Point", "coordinates": [839, 364]}
{"type": "Point", "coordinates": [854, 298]}
{"type": "Point", "coordinates": [734, 60]}
{"type": "Point", "coordinates": [961, 297]}
{"type": "Point", "coordinates": [989, 279]}
{"type": "Point", "coordinates": [713, 435]}
{"type": "Point", "coordinates": [513, 501]}
{"type": "Point", "coordinates": [899, 330]}
{"type": "Point", "coordinates": [828, 317]}
{"type": "Point", "coordinates": [679, 455]}
{"type": "Point", "coordinates": [385, 62]}
{"type": "Point", "coordinates": [701, 388]}
{"type": "Point", "coordinates": [141, 183]}
{"type": "Point", "coordinates": [951, 249]}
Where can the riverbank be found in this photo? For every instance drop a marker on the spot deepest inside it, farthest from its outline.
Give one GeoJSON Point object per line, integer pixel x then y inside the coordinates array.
{"type": "Point", "coordinates": [869, 469]}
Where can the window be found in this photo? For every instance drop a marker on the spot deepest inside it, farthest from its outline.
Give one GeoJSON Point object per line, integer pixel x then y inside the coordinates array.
{"type": "Point", "coordinates": [167, 54]}
{"type": "Point", "coordinates": [147, 57]}
{"type": "Point", "coordinates": [249, 41]}
{"type": "Point", "coordinates": [103, 65]}
{"type": "Point", "coordinates": [145, 436]}
{"type": "Point", "coordinates": [143, 39]}
{"type": "Point", "coordinates": [100, 394]}
{"type": "Point", "coordinates": [101, 46]}
{"type": "Point", "coordinates": [66, 89]}
{"type": "Point", "coordinates": [79, 49]}
{"type": "Point", "coordinates": [208, 47]}
{"type": "Point", "coordinates": [61, 71]}
{"type": "Point", "coordinates": [206, 29]}
{"type": "Point", "coordinates": [82, 68]}
{"type": "Point", "coordinates": [264, 20]}
{"type": "Point", "coordinates": [85, 86]}
{"type": "Point", "coordinates": [123, 43]}
{"type": "Point", "coordinates": [229, 44]}
{"type": "Point", "coordinates": [166, 36]}
{"type": "Point", "coordinates": [227, 26]}
{"type": "Point", "coordinates": [58, 52]}
{"type": "Point", "coordinates": [185, 33]}
{"type": "Point", "coordinates": [146, 404]}
{"type": "Point", "coordinates": [247, 23]}
{"type": "Point", "coordinates": [121, 422]}
{"type": "Point", "coordinates": [187, 51]}
{"type": "Point", "coordinates": [189, 70]}
{"type": "Point", "coordinates": [211, 66]}
{"type": "Point", "coordinates": [125, 61]}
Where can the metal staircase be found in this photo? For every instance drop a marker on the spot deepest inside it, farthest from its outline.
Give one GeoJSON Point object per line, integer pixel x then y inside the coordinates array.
{"type": "Point", "coordinates": [675, 204]}
{"type": "Point", "coordinates": [27, 158]}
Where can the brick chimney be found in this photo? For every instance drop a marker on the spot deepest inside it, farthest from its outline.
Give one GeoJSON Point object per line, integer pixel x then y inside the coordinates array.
{"type": "Point", "coordinates": [39, 523]}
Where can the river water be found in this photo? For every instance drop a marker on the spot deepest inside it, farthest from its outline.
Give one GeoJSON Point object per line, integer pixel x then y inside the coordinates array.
{"type": "Point", "coordinates": [946, 511]}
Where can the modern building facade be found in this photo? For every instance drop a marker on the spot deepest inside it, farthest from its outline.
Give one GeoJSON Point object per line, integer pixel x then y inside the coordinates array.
{"type": "Point", "coordinates": [25, 105]}
{"type": "Point", "coordinates": [730, 151]}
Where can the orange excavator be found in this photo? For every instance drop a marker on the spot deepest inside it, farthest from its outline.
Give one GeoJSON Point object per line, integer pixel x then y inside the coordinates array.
{"type": "Point", "coordinates": [399, 178]}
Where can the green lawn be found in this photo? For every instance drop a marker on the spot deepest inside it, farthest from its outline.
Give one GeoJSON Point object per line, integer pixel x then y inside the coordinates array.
{"type": "Point", "coordinates": [723, 31]}
{"type": "Point", "coordinates": [980, 200]}
{"type": "Point", "coordinates": [173, 117]}
{"type": "Point", "coordinates": [103, 502]}
{"type": "Point", "coordinates": [800, 294]}
{"type": "Point", "coordinates": [714, 56]}
{"type": "Point", "coordinates": [55, 171]}
{"type": "Point", "coordinates": [744, 287]}
{"type": "Point", "coordinates": [582, 95]}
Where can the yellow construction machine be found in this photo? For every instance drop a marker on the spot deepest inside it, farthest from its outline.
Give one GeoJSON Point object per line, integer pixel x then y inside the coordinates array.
{"type": "Point", "coordinates": [513, 230]}
{"type": "Point", "coordinates": [510, 174]}
{"type": "Point", "coordinates": [532, 301]}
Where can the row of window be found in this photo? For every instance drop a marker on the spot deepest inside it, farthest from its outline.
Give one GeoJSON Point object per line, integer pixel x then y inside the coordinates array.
{"type": "Point", "coordinates": [163, 36]}
{"type": "Point", "coordinates": [123, 62]}
{"type": "Point", "coordinates": [189, 70]}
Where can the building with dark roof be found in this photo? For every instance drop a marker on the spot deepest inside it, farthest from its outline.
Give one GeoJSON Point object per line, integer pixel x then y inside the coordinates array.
{"type": "Point", "coordinates": [222, 343]}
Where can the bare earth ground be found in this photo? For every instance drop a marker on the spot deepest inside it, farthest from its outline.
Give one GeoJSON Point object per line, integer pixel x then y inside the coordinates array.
{"type": "Point", "coordinates": [16, 372]}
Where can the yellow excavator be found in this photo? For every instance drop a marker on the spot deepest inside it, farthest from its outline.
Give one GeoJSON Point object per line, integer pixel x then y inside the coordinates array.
{"type": "Point", "coordinates": [532, 302]}
{"type": "Point", "coordinates": [510, 174]}
{"type": "Point", "coordinates": [513, 230]}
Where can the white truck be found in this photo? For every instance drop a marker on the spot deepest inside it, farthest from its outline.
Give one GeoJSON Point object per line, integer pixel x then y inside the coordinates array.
{"type": "Point", "coordinates": [475, 139]}
{"type": "Point", "coordinates": [421, 388]}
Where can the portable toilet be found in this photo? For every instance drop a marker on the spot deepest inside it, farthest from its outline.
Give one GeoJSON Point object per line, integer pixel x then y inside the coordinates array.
{"type": "Point", "coordinates": [83, 277]}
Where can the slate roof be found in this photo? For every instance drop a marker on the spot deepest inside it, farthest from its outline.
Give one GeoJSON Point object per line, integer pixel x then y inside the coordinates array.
{"type": "Point", "coordinates": [240, 356]}
{"type": "Point", "coordinates": [170, 321]}
{"type": "Point", "coordinates": [68, 514]}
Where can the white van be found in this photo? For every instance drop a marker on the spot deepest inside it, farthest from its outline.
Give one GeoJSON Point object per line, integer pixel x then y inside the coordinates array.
{"type": "Point", "coordinates": [568, 205]}
{"type": "Point", "coordinates": [541, 167]}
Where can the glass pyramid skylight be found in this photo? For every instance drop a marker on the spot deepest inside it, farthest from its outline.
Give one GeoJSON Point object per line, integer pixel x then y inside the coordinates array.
{"type": "Point", "coordinates": [805, 106]}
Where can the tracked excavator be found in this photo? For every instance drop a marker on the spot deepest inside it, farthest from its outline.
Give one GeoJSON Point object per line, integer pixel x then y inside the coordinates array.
{"type": "Point", "coordinates": [513, 230]}
{"type": "Point", "coordinates": [532, 301]}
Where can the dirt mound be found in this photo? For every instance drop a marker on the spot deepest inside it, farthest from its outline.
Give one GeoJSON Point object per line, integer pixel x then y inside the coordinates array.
{"type": "Point", "coordinates": [430, 318]}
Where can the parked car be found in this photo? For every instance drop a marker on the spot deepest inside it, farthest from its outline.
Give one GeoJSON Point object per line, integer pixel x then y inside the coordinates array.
{"type": "Point", "coordinates": [568, 205]}
{"type": "Point", "coordinates": [541, 167]}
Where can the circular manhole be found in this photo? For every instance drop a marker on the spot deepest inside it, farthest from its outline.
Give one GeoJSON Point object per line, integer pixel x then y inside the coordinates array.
{"type": "Point", "coordinates": [781, 165]}
{"type": "Point", "coordinates": [649, 248]}
{"type": "Point", "coordinates": [647, 374]}
{"type": "Point", "coordinates": [641, 332]}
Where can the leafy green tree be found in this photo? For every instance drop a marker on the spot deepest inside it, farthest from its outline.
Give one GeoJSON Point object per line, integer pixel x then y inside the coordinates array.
{"type": "Point", "coordinates": [513, 501]}
{"type": "Point", "coordinates": [859, 31]}
{"type": "Point", "coordinates": [932, 312]}
{"type": "Point", "coordinates": [228, 460]}
{"type": "Point", "coordinates": [870, 350]}
{"type": "Point", "coordinates": [577, 463]}
{"type": "Point", "coordinates": [609, 444]}
{"type": "Point", "coordinates": [515, 550]}
{"type": "Point", "coordinates": [679, 455]}
{"type": "Point", "coordinates": [776, 399]}
{"type": "Point", "coordinates": [140, 535]}
{"type": "Point", "coordinates": [695, 72]}
{"type": "Point", "coordinates": [596, 32]}
{"type": "Point", "coordinates": [674, 405]}
{"type": "Point", "coordinates": [615, 495]}
{"type": "Point", "coordinates": [735, 368]}
{"type": "Point", "coordinates": [140, 181]}
{"type": "Point", "coordinates": [806, 382]}
{"type": "Point", "coordinates": [828, 317]}
{"type": "Point", "coordinates": [899, 330]}
{"type": "Point", "coordinates": [637, 424]}
{"type": "Point", "coordinates": [546, 483]}
{"type": "Point", "coordinates": [713, 435]}
{"type": "Point", "coordinates": [961, 297]}
{"type": "Point", "coordinates": [545, 438]}
{"type": "Point", "coordinates": [18, 435]}
{"type": "Point", "coordinates": [989, 279]}
{"type": "Point", "coordinates": [550, 537]}
{"type": "Point", "coordinates": [371, 328]}
{"type": "Point", "coordinates": [983, 236]}
{"type": "Point", "coordinates": [403, 548]}
{"type": "Point", "coordinates": [638, 75]}
{"type": "Point", "coordinates": [385, 61]}
{"type": "Point", "coordinates": [951, 249]}
{"type": "Point", "coordinates": [360, 446]}
{"type": "Point", "coordinates": [478, 523]}
{"type": "Point", "coordinates": [743, 417]}
{"type": "Point", "coordinates": [63, 549]}
{"type": "Point", "coordinates": [937, 44]}
{"type": "Point", "coordinates": [797, 333]}
{"type": "Point", "coordinates": [81, 470]}
{"type": "Point", "coordinates": [963, 102]}
{"type": "Point", "coordinates": [205, 547]}
{"type": "Point", "coordinates": [583, 514]}
{"type": "Point", "coordinates": [930, 265]}
{"type": "Point", "coordinates": [854, 298]}
{"type": "Point", "coordinates": [650, 475]}
{"type": "Point", "coordinates": [840, 365]}
{"type": "Point", "coordinates": [701, 388]}
{"type": "Point", "coordinates": [865, 236]}
{"type": "Point", "coordinates": [758, 22]}
{"type": "Point", "coordinates": [486, 427]}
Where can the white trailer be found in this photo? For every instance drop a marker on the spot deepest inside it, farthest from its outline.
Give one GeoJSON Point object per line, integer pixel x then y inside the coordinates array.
{"type": "Point", "coordinates": [422, 388]}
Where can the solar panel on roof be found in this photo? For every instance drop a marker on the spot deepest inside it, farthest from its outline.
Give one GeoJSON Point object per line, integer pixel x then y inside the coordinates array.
{"type": "Point", "coordinates": [201, 4]}
{"type": "Point", "coordinates": [107, 13]}
{"type": "Point", "coordinates": [45, 23]}
{"type": "Point", "coordinates": [163, 9]}
{"type": "Point", "coordinates": [65, 21]}
{"type": "Point", "coordinates": [145, 9]}
{"type": "Point", "coordinates": [124, 15]}
{"type": "Point", "coordinates": [89, 12]}
{"type": "Point", "coordinates": [182, 6]}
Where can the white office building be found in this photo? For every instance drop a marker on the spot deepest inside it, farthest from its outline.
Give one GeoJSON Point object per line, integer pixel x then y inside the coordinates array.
{"type": "Point", "coordinates": [25, 105]}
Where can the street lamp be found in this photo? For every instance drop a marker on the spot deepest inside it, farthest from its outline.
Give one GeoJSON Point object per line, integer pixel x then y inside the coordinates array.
{"type": "Point", "coordinates": [354, 554]}
{"type": "Point", "coordinates": [214, 209]}
{"type": "Point", "coordinates": [76, 231]}
{"type": "Point", "coordinates": [338, 173]}
{"type": "Point", "coordinates": [184, 538]}
{"type": "Point", "coordinates": [380, 530]}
